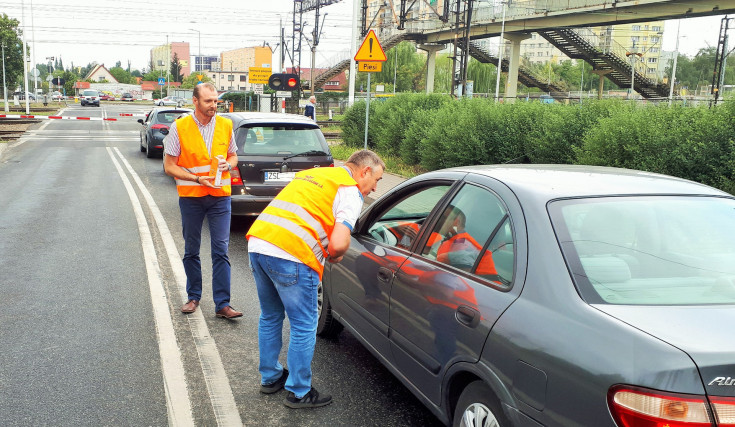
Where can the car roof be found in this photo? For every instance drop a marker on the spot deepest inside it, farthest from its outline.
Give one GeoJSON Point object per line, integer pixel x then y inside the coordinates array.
{"type": "Point", "coordinates": [171, 109]}
{"type": "Point", "coordinates": [239, 119]}
{"type": "Point", "coordinates": [561, 181]}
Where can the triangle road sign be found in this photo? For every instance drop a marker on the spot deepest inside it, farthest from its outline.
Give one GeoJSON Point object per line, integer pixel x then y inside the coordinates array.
{"type": "Point", "coordinates": [370, 50]}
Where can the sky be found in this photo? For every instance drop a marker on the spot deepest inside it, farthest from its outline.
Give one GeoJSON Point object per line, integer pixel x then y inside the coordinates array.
{"type": "Point", "coordinates": [107, 31]}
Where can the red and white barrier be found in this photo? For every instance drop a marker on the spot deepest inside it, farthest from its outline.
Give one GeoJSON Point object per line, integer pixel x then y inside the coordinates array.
{"type": "Point", "coordinates": [23, 116]}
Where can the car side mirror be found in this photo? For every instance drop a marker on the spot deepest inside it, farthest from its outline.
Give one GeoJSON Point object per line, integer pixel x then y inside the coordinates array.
{"type": "Point", "coordinates": [140, 121]}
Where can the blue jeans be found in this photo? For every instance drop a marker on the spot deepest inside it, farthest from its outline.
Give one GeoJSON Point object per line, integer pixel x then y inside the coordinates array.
{"type": "Point", "coordinates": [290, 287]}
{"type": "Point", "coordinates": [217, 211]}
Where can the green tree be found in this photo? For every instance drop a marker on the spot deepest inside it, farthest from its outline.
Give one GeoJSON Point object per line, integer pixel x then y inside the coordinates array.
{"type": "Point", "coordinates": [176, 67]}
{"type": "Point", "coordinates": [121, 75]}
{"type": "Point", "coordinates": [10, 37]}
{"type": "Point", "coordinates": [191, 80]}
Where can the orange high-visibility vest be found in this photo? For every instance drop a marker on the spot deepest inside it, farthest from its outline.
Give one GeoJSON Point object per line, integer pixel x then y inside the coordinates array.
{"type": "Point", "coordinates": [464, 241]}
{"type": "Point", "coordinates": [300, 229]}
{"type": "Point", "coordinates": [195, 158]}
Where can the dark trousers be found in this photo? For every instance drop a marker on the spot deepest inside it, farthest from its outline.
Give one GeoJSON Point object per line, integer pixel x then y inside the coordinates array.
{"type": "Point", "coordinates": [217, 210]}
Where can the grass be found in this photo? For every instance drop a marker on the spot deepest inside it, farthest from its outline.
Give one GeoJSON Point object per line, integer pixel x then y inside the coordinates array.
{"type": "Point", "coordinates": [393, 164]}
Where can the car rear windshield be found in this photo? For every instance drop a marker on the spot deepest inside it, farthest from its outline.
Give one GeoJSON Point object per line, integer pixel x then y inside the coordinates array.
{"type": "Point", "coordinates": [90, 93]}
{"type": "Point", "coordinates": [279, 139]}
{"type": "Point", "coordinates": [661, 250]}
{"type": "Point", "coordinates": [169, 116]}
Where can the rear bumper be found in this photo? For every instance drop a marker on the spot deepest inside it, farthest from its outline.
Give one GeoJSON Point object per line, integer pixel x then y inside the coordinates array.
{"type": "Point", "coordinates": [247, 205]}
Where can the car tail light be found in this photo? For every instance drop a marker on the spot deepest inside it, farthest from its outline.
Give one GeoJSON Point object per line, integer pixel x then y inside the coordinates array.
{"type": "Point", "coordinates": [235, 177]}
{"type": "Point", "coordinates": [724, 409]}
{"type": "Point", "coordinates": [639, 407]}
{"type": "Point", "coordinates": [159, 127]}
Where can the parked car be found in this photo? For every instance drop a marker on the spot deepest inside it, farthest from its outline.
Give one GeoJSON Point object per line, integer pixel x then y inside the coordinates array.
{"type": "Point", "coordinates": [90, 97]}
{"type": "Point", "coordinates": [57, 96]}
{"type": "Point", "coordinates": [106, 97]}
{"type": "Point", "coordinates": [546, 295]}
{"type": "Point", "coordinates": [127, 97]}
{"type": "Point", "coordinates": [155, 128]}
{"type": "Point", "coordinates": [171, 100]}
{"type": "Point", "coordinates": [271, 148]}
{"type": "Point", "coordinates": [22, 96]}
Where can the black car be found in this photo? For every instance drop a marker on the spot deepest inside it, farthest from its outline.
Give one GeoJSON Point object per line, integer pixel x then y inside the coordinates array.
{"type": "Point", "coordinates": [155, 128]}
{"type": "Point", "coordinates": [127, 97]}
{"type": "Point", "coordinates": [271, 148]}
{"type": "Point", "coordinates": [546, 295]}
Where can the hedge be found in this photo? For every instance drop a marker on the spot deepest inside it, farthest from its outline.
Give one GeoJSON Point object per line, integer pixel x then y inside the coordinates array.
{"type": "Point", "coordinates": [434, 131]}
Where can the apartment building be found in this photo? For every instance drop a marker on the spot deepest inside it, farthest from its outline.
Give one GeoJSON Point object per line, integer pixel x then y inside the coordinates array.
{"type": "Point", "coordinates": [244, 58]}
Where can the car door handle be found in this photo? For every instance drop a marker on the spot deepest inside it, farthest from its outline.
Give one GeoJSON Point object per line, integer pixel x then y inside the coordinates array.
{"type": "Point", "coordinates": [385, 275]}
{"type": "Point", "coordinates": [468, 316]}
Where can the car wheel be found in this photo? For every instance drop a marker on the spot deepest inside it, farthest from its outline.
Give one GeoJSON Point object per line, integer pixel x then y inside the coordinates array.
{"type": "Point", "coordinates": [477, 407]}
{"type": "Point", "coordinates": [327, 326]}
{"type": "Point", "coordinates": [148, 152]}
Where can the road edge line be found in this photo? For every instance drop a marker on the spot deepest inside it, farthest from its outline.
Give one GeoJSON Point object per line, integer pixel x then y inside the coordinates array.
{"type": "Point", "coordinates": [215, 376]}
{"type": "Point", "coordinates": [174, 376]}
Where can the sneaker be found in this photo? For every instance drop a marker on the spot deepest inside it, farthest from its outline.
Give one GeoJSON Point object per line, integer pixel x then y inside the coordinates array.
{"type": "Point", "coordinates": [312, 399]}
{"type": "Point", "coordinates": [275, 385]}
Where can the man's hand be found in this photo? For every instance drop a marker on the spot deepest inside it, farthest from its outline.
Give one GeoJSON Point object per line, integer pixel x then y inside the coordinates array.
{"type": "Point", "coordinates": [222, 164]}
{"type": "Point", "coordinates": [207, 181]}
{"type": "Point", "coordinates": [335, 260]}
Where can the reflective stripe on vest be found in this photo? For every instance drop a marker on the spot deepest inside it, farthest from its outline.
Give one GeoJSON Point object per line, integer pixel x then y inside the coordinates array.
{"type": "Point", "coordinates": [303, 230]}
{"type": "Point", "coordinates": [195, 158]}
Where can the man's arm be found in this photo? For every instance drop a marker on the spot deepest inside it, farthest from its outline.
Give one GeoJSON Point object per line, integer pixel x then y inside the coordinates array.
{"type": "Point", "coordinates": [339, 242]}
{"type": "Point", "coordinates": [171, 167]}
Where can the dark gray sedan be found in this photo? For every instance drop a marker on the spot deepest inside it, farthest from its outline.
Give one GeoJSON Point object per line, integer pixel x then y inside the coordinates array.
{"type": "Point", "coordinates": [155, 128]}
{"type": "Point", "coordinates": [547, 295]}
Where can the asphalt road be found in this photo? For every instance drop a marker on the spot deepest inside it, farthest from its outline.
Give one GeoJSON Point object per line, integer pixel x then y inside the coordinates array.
{"type": "Point", "coordinates": [86, 338]}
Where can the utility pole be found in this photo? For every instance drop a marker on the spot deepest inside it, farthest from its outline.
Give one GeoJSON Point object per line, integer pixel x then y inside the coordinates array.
{"type": "Point", "coordinates": [5, 88]}
{"type": "Point", "coordinates": [25, 61]}
{"type": "Point", "coordinates": [673, 68]}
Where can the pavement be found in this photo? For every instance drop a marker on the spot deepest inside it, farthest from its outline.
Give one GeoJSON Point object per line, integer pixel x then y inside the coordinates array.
{"type": "Point", "coordinates": [386, 184]}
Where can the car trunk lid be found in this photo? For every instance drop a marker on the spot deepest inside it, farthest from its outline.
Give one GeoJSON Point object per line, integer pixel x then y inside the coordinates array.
{"type": "Point", "coordinates": [703, 332]}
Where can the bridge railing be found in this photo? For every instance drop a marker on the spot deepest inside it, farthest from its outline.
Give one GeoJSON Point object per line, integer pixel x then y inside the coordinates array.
{"type": "Point", "coordinates": [608, 45]}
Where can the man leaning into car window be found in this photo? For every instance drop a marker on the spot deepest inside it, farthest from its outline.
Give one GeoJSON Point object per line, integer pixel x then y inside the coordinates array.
{"type": "Point", "coordinates": [190, 147]}
{"type": "Point", "coordinates": [309, 222]}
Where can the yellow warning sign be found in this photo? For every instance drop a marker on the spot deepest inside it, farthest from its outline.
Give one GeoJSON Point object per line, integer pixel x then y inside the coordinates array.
{"type": "Point", "coordinates": [370, 50]}
{"type": "Point", "coordinates": [259, 75]}
{"type": "Point", "coordinates": [370, 67]}
{"type": "Point", "coordinates": [200, 77]}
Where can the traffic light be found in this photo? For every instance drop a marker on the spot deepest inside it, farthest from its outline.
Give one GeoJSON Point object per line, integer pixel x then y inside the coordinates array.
{"type": "Point", "coordinates": [283, 82]}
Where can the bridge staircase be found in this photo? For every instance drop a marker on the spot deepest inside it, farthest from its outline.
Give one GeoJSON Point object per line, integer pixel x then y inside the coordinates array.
{"type": "Point", "coordinates": [525, 76]}
{"type": "Point", "coordinates": [605, 58]}
{"type": "Point", "coordinates": [341, 66]}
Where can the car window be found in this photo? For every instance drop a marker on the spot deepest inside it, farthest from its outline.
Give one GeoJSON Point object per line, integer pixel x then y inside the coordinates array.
{"type": "Point", "coordinates": [474, 234]}
{"type": "Point", "coordinates": [400, 225]}
{"type": "Point", "coordinates": [650, 250]}
{"type": "Point", "coordinates": [168, 116]}
{"type": "Point", "coordinates": [270, 140]}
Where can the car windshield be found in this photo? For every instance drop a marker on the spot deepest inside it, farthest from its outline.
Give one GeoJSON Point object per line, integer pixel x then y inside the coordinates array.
{"type": "Point", "coordinates": [276, 140]}
{"type": "Point", "coordinates": [649, 250]}
{"type": "Point", "coordinates": [90, 93]}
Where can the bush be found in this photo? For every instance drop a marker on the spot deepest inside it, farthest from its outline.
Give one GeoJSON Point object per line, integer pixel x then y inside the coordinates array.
{"type": "Point", "coordinates": [353, 124]}
{"type": "Point", "coordinates": [397, 114]}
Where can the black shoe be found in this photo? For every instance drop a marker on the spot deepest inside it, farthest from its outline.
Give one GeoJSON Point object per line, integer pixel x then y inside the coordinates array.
{"type": "Point", "coordinates": [275, 385]}
{"type": "Point", "coordinates": [312, 399]}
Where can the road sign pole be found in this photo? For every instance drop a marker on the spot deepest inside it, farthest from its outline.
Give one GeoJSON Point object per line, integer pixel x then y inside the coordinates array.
{"type": "Point", "coordinates": [367, 110]}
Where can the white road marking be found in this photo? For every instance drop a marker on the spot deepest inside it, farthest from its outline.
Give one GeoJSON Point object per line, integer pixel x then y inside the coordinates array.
{"type": "Point", "coordinates": [174, 376]}
{"type": "Point", "coordinates": [218, 384]}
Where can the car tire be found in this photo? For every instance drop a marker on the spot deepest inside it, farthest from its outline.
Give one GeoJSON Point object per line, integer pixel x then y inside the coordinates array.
{"type": "Point", "coordinates": [148, 151]}
{"type": "Point", "coordinates": [478, 407]}
{"type": "Point", "coordinates": [327, 326]}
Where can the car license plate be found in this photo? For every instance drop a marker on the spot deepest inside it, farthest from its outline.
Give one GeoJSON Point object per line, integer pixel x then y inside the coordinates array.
{"type": "Point", "coordinates": [279, 176]}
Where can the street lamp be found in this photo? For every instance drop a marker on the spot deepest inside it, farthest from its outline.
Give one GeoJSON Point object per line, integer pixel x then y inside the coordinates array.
{"type": "Point", "coordinates": [5, 88]}
{"type": "Point", "coordinates": [632, 56]}
{"type": "Point", "coordinates": [199, 57]}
